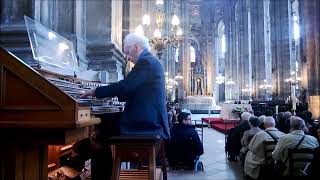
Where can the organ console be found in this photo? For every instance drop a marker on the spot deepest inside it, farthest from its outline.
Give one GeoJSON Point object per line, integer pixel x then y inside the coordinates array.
{"type": "Point", "coordinates": [41, 114]}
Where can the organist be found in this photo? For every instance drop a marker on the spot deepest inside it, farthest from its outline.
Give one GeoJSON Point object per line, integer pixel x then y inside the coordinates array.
{"type": "Point", "coordinates": [143, 90]}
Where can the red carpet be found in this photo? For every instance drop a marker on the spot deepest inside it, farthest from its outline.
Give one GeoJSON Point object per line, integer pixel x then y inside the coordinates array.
{"type": "Point", "coordinates": [220, 125]}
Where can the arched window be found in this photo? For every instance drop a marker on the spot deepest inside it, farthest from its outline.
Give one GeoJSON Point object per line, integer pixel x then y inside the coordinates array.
{"type": "Point", "coordinates": [223, 43]}
{"type": "Point", "coordinates": [222, 46]}
{"type": "Point", "coordinates": [176, 56]}
{"type": "Point", "coordinates": [192, 54]}
{"type": "Point", "coordinates": [296, 29]}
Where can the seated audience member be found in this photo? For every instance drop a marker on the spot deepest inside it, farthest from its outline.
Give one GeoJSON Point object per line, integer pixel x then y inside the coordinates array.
{"type": "Point", "coordinates": [255, 156]}
{"type": "Point", "coordinates": [291, 140]}
{"type": "Point", "coordinates": [261, 124]}
{"type": "Point", "coordinates": [233, 145]}
{"type": "Point", "coordinates": [185, 145]}
{"type": "Point", "coordinates": [311, 124]}
{"type": "Point", "coordinates": [284, 122]}
{"type": "Point", "coordinates": [248, 135]}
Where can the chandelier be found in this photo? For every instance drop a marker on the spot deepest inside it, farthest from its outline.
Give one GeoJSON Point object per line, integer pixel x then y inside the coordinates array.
{"type": "Point", "coordinates": [160, 39]}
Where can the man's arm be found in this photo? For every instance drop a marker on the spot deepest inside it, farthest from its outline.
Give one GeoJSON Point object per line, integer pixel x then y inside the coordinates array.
{"type": "Point", "coordinates": [197, 143]}
{"type": "Point", "coordinates": [138, 75]}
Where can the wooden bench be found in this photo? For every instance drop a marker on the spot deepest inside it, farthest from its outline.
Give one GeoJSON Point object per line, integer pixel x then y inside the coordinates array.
{"type": "Point", "coordinates": [138, 149]}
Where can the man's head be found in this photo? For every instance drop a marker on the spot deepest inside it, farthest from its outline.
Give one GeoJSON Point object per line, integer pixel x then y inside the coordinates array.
{"type": "Point", "coordinates": [254, 121]}
{"type": "Point", "coordinates": [269, 122]}
{"type": "Point", "coordinates": [297, 123]}
{"type": "Point", "coordinates": [261, 118]}
{"type": "Point", "coordinates": [245, 116]}
{"type": "Point", "coordinates": [134, 44]}
{"type": "Point", "coordinates": [184, 118]}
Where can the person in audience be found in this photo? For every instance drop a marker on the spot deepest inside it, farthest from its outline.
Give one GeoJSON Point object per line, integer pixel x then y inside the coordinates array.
{"type": "Point", "coordinates": [247, 136]}
{"type": "Point", "coordinates": [185, 145]}
{"type": "Point", "coordinates": [261, 124]}
{"type": "Point", "coordinates": [311, 124]}
{"type": "Point", "coordinates": [233, 145]}
{"type": "Point", "coordinates": [256, 155]}
{"type": "Point", "coordinates": [291, 140]}
{"type": "Point", "coordinates": [284, 122]}
{"type": "Point", "coordinates": [318, 132]}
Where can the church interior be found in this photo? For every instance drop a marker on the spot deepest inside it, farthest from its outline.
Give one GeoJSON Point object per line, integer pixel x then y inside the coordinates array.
{"type": "Point", "coordinates": [233, 70]}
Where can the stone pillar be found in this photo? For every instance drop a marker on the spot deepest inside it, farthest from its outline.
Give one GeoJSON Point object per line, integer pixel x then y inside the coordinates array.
{"type": "Point", "coordinates": [280, 47]}
{"type": "Point", "coordinates": [310, 36]}
{"type": "Point", "coordinates": [267, 44]}
{"type": "Point", "coordinates": [258, 47]}
{"type": "Point", "coordinates": [244, 48]}
{"type": "Point", "coordinates": [13, 32]}
{"type": "Point", "coordinates": [210, 65]}
{"type": "Point", "coordinates": [185, 47]}
{"type": "Point", "coordinates": [101, 52]}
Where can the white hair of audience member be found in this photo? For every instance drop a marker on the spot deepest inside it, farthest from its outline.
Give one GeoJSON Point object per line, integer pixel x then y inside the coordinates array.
{"type": "Point", "coordinates": [186, 111]}
{"type": "Point", "coordinates": [287, 115]}
{"type": "Point", "coordinates": [245, 116]}
{"type": "Point", "coordinates": [269, 122]}
{"type": "Point", "coordinates": [297, 123]}
{"type": "Point", "coordinates": [261, 118]}
{"type": "Point", "coordinates": [135, 38]}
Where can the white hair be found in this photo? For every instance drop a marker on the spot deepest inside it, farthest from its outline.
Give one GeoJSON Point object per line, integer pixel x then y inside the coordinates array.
{"type": "Point", "coordinates": [297, 123]}
{"type": "Point", "coordinates": [269, 122]}
{"type": "Point", "coordinates": [135, 38]}
{"type": "Point", "coordinates": [261, 118]}
{"type": "Point", "coordinates": [245, 116]}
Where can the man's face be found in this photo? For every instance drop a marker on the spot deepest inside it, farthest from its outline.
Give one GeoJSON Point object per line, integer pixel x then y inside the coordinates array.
{"type": "Point", "coordinates": [131, 51]}
{"type": "Point", "coordinates": [188, 120]}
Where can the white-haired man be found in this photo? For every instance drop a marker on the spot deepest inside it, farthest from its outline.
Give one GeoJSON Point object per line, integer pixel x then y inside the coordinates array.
{"type": "Point", "coordinates": [291, 140]}
{"type": "Point", "coordinates": [233, 145]}
{"type": "Point", "coordinates": [143, 90]}
{"type": "Point", "coordinates": [255, 156]}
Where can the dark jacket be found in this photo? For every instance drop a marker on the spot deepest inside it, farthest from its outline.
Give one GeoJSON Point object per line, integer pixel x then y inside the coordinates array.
{"type": "Point", "coordinates": [184, 145]}
{"type": "Point", "coordinates": [143, 90]}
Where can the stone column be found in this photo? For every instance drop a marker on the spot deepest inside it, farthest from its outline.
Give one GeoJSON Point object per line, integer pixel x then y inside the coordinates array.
{"type": "Point", "coordinates": [103, 54]}
{"type": "Point", "coordinates": [210, 65]}
{"type": "Point", "coordinates": [280, 47]}
{"type": "Point", "coordinates": [185, 47]}
{"type": "Point", "coordinates": [13, 32]}
{"type": "Point", "coordinates": [310, 36]}
{"type": "Point", "coordinates": [258, 48]}
{"type": "Point", "coordinates": [244, 48]}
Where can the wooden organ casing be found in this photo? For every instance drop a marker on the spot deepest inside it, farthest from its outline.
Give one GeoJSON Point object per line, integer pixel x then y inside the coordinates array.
{"type": "Point", "coordinates": [34, 113]}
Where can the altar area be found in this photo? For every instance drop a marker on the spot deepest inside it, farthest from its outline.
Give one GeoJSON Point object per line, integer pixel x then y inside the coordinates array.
{"type": "Point", "coordinates": [202, 104]}
{"type": "Point", "coordinates": [228, 118]}
{"type": "Point", "coordinates": [231, 111]}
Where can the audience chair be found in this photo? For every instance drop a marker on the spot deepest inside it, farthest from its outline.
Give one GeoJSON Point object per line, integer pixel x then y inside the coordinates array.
{"type": "Point", "coordinates": [300, 161]}
{"type": "Point", "coordinates": [138, 149]}
{"type": "Point", "coordinates": [267, 167]}
{"type": "Point", "coordinates": [269, 147]}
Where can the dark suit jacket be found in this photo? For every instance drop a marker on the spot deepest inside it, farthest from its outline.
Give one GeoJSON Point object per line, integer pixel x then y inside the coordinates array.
{"type": "Point", "coordinates": [144, 92]}
{"type": "Point", "coordinates": [184, 146]}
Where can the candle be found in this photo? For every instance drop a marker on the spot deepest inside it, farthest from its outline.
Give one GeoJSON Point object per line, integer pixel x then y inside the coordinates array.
{"type": "Point", "coordinates": [277, 109]}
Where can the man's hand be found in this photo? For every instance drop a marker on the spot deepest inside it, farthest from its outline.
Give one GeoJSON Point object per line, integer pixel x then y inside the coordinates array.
{"type": "Point", "coordinates": [88, 93]}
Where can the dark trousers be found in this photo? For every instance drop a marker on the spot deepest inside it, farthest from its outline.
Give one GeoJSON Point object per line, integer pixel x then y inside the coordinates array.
{"type": "Point", "coordinates": [99, 150]}
{"type": "Point", "coordinates": [101, 158]}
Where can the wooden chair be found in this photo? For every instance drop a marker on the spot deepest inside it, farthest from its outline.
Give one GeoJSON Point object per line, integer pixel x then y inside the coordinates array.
{"type": "Point", "coordinates": [269, 147]}
{"type": "Point", "coordinates": [138, 149]}
{"type": "Point", "coordinates": [300, 162]}
{"type": "Point", "coordinates": [267, 167]}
